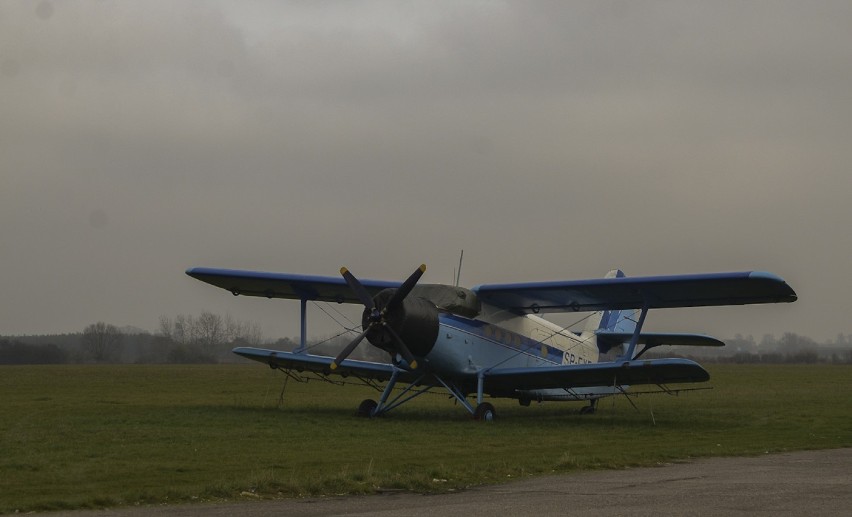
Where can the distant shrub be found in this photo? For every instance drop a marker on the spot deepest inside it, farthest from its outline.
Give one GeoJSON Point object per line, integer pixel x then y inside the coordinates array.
{"type": "Point", "coordinates": [188, 354]}
{"type": "Point", "coordinates": [14, 352]}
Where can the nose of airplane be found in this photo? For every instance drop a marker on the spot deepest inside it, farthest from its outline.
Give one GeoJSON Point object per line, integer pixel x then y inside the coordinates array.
{"type": "Point", "coordinates": [394, 322]}
{"type": "Point", "coordinates": [411, 323]}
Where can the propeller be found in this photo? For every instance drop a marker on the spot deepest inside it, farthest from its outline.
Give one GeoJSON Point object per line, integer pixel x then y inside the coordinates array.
{"type": "Point", "coordinates": [381, 315]}
{"type": "Point", "coordinates": [358, 289]}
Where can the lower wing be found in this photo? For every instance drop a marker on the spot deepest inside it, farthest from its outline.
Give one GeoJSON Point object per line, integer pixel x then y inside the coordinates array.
{"type": "Point", "coordinates": [316, 363]}
{"type": "Point", "coordinates": [627, 373]}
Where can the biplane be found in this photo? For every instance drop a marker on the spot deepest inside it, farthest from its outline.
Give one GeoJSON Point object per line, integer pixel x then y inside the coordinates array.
{"type": "Point", "coordinates": [492, 340]}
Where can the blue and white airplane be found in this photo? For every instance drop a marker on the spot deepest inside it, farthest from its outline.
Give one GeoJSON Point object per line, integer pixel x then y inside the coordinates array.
{"type": "Point", "coordinates": [490, 340]}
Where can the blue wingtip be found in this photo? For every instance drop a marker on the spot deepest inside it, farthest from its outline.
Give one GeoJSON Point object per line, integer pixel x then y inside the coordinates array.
{"type": "Point", "coordinates": [765, 275]}
{"type": "Point", "coordinates": [789, 295]}
{"type": "Point", "coordinates": [193, 271]}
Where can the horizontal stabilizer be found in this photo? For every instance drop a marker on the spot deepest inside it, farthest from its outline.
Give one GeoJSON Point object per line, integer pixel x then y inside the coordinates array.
{"type": "Point", "coordinates": [607, 340]}
{"type": "Point", "coordinates": [629, 373]}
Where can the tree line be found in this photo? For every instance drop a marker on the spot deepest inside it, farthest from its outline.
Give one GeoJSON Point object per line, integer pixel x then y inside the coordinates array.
{"type": "Point", "coordinates": [206, 338]}
{"type": "Point", "coordinates": [209, 338]}
{"type": "Point", "coordinates": [790, 348]}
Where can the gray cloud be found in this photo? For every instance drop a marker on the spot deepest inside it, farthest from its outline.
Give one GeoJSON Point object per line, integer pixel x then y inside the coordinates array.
{"type": "Point", "coordinates": [549, 140]}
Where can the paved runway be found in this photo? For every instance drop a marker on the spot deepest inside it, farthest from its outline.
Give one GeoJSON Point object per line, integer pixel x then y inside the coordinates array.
{"type": "Point", "coordinates": [801, 483]}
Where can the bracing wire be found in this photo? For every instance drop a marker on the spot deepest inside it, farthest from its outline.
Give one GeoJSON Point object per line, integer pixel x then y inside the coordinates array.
{"type": "Point", "coordinates": [352, 329]}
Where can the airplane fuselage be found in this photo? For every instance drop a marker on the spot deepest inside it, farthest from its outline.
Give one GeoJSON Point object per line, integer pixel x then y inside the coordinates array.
{"type": "Point", "coordinates": [467, 346]}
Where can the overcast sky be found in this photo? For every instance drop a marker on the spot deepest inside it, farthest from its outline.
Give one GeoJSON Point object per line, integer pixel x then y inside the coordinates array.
{"type": "Point", "coordinates": [549, 140]}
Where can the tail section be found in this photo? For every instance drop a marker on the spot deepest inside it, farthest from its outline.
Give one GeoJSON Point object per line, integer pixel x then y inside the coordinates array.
{"type": "Point", "coordinates": [611, 321]}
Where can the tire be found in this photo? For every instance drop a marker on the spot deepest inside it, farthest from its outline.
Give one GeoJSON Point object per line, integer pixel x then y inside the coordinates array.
{"type": "Point", "coordinates": [485, 413]}
{"type": "Point", "coordinates": [366, 408]}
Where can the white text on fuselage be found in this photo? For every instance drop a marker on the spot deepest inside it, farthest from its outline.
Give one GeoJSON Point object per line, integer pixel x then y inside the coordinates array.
{"type": "Point", "coordinates": [571, 358]}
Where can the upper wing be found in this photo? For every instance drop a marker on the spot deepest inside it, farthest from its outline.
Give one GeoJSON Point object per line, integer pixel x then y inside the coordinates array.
{"type": "Point", "coordinates": [636, 292]}
{"type": "Point", "coordinates": [316, 363]}
{"type": "Point", "coordinates": [283, 285]}
{"type": "Point", "coordinates": [652, 371]}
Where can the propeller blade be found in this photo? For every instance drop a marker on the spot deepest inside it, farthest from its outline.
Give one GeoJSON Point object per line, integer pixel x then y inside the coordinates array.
{"type": "Point", "coordinates": [403, 350]}
{"type": "Point", "coordinates": [406, 287]}
{"type": "Point", "coordinates": [349, 348]}
{"type": "Point", "coordinates": [358, 289]}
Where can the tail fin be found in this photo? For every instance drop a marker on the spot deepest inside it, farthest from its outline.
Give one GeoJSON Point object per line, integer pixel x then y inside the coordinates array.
{"type": "Point", "coordinates": [614, 321]}
{"type": "Point", "coordinates": [617, 321]}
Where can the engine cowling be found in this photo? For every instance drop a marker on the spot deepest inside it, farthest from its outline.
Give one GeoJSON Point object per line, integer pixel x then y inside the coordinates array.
{"type": "Point", "coordinates": [415, 322]}
{"type": "Point", "coordinates": [390, 319]}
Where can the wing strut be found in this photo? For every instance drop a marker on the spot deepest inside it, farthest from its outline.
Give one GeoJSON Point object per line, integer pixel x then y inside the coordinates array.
{"type": "Point", "coordinates": [303, 339]}
{"type": "Point", "coordinates": [631, 348]}
{"type": "Point", "coordinates": [480, 386]}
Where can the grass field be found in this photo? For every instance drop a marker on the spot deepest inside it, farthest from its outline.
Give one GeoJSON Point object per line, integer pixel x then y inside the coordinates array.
{"type": "Point", "coordinates": [94, 436]}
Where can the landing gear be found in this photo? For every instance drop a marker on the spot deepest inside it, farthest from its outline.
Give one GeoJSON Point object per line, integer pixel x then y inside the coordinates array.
{"type": "Point", "coordinates": [484, 413]}
{"type": "Point", "coordinates": [590, 409]}
{"type": "Point", "coordinates": [365, 410]}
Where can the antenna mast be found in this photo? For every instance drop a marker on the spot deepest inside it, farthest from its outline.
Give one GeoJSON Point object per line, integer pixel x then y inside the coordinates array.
{"type": "Point", "coordinates": [458, 272]}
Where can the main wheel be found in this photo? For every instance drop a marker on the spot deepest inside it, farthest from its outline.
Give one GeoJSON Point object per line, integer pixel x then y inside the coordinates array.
{"type": "Point", "coordinates": [484, 413]}
{"type": "Point", "coordinates": [590, 409]}
{"type": "Point", "coordinates": [366, 408]}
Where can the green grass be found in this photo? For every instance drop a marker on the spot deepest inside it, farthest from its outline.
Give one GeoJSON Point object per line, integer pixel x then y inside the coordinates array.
{"type": "Point", "coordinates": [95, 436]}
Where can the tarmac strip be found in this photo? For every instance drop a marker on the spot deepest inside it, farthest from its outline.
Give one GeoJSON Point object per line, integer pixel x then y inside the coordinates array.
{"type": "Point", "coordinates": [797, 483]}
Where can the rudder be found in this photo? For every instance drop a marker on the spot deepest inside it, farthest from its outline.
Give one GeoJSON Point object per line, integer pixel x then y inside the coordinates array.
{"type": "Point", "coordinates": [616, 320]}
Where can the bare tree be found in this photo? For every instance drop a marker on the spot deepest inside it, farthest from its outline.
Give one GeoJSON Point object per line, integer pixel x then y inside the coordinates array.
{"type": "Point", "coordinates": [210, 332]}
{"type": "Point", "coordinates": [167, 328]}
{"type": "Point", "coordinates": [101, 341]}
{"type": "Point", "coordinates": [206, 338]}
{"type": "Point", "coordinates": [184, 329]}
{"type": "Point", "coordinates": [242, 332]}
